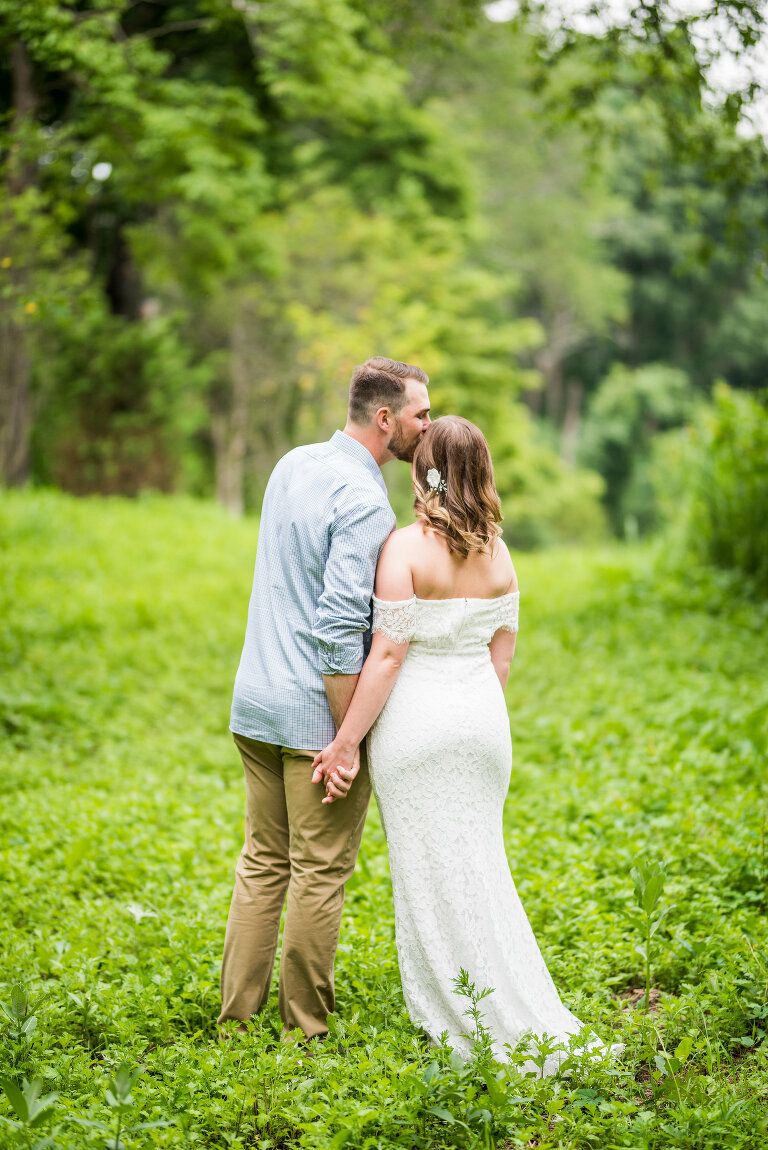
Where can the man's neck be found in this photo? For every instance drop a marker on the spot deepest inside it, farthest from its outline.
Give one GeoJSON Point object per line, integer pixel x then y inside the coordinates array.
{"type": "Point", "coordinates": [370, 438]}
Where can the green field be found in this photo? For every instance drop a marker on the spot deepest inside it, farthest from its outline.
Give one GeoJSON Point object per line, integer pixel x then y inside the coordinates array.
{"type": "Point", "coordinates": [638, 701]}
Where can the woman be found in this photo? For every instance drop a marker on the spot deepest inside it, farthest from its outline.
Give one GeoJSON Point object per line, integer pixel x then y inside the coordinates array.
{"type": "Point", "coordinates": [431, 696]}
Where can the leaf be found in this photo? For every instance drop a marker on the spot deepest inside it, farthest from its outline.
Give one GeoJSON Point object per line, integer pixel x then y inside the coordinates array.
{"type": "Point", "coordinates": [648, 879]}
{"type": "Point", "coordinates": [493, 1086]}
{"type": "Point", "coordinates": [150, 1125]}
{"type": "Point", "coordinates": [684, 1048]}
{"type": "Point", "coordinates": [430, 1072]}
{"type": "Point", "coordinates": [661, 1063]}
{"type": "Point", "coordinates": [30, 1026]}
{"type": "Point", "coordinates": [441, 1112]}
{"type": "Point", "coordinates": [124, 1080]}
{"type": "Point", "coordinates": [19, 1002]}
{"type": "Point", "coordinates": [340, 1138]}
{"type": "Point", "coordinates": [16, 1098]}
{"type": "Point", "coordinates": [652, 892]}
{"type": "Point", "coordinates": [89, 1122]}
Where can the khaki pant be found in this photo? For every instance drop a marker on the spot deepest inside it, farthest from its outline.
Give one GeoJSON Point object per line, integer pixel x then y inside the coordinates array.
{"type": "Point", "coordinates": [297, 846]}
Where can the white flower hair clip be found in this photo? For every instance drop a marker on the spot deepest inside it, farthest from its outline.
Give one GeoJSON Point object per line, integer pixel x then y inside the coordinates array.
{"type": "Point", "coordinates": [435, 480]}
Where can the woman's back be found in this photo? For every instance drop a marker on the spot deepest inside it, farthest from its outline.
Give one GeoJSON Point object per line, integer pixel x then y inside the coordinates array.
{"type": "Point", "coordinates": [439, 574]}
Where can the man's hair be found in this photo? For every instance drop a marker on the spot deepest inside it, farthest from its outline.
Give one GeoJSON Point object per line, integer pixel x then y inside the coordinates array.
{"type": "Point", "coordinates": [380, 382]}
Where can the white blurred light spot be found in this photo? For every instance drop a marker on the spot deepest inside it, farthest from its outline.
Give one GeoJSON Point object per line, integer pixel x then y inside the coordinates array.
{"type": "Point", "coordinates": [101, 171]}
{"type": "Point", "coordinates": [502, 10]}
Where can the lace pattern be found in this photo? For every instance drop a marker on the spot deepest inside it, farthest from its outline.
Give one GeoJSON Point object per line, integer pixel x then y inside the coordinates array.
{"type": "Point", "coordinates": [508, 612]}
{"type": "Point", "coordinates": [396, 621]}
{"type": "Point", "coordinates": [440, 757]}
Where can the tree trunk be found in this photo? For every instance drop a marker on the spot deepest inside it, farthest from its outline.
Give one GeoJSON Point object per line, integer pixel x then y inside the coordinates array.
{"type": "Point", "coordinates": [15, 412]}
{"type": "Point", "coordinates": [569, 439]}
{"type": "Point", "coordinates": [563, 335]}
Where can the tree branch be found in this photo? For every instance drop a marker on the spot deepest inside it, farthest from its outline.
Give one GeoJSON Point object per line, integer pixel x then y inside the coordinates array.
{"type": "Point", "coordinates": [179, 26]}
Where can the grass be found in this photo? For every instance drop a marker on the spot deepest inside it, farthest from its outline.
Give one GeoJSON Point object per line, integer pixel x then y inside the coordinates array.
{"type": "Point", "coordinates": [639, 707]}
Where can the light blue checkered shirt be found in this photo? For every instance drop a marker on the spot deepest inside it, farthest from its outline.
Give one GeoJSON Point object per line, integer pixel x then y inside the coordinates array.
{"type": "Point", "coordinates": [325, 519]}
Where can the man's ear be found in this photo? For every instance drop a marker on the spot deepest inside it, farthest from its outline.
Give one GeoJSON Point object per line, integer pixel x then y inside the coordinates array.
{"type": "Point", "coordinates": [384, 419]}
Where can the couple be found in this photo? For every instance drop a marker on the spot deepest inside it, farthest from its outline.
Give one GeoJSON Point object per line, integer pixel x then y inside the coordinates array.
{"type": "Point", "coordinates": [429, 696]}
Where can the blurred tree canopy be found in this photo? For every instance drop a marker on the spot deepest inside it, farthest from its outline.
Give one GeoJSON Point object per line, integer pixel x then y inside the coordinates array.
{"type": "Point", "coordinates": [212, 209]}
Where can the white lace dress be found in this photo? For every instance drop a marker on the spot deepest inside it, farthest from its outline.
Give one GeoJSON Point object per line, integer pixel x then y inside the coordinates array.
{"type": "Point", "coordinates": [440, 758]}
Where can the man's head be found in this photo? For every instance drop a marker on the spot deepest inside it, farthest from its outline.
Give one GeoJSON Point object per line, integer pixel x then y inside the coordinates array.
{"type": "Point", "coordinates": [390, 398]}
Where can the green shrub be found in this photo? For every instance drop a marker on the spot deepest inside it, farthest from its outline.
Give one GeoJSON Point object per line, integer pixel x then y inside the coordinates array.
{"type": "Point", "coordinates": [120, 406]}
{"type": "Point", "coordinates": [728, 516]}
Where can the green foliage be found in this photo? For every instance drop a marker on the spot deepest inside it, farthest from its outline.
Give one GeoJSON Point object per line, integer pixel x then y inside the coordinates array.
{"type": "Point", "coordinates": [212, 210]}
{"type": "Point", "coordinates": [626, 413]}
{"type": "Point", "coordinates": [640, 724]}
{"type": "Point", "coordinates": [120, 1100]}
{"type": "Point", "coordinates": [123, 402]}
{"type": "Point", "coordinates": [648, 880]}
{"type": "Point", "coordinates": [729, 487]}
{"type": "Point", "coordinates": [31, 1110]}
{"type": "Point", "coordinates": [18, 1013]}
{"type": "Point", "coordinates": [545, 501]}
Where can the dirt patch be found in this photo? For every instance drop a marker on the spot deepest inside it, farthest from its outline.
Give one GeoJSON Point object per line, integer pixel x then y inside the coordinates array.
{"type": "Point", "coordinates": [634, 996]}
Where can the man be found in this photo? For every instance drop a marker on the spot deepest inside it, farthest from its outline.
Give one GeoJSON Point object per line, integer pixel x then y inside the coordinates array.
{"type": "Point", "coordinates": [325, 518]}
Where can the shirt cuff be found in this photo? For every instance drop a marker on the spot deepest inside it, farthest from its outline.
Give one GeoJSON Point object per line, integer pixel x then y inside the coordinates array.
{"type": "Point", "coordinates": [337, 659]}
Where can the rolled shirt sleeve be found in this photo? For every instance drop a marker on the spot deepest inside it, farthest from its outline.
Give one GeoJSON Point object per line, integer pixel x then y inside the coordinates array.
{"type": "Point", "coordinates": [344, 607]}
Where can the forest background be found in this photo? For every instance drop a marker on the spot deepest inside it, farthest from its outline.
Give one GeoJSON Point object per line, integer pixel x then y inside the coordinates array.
{"type": "Point", "coordinates": [212, 209]}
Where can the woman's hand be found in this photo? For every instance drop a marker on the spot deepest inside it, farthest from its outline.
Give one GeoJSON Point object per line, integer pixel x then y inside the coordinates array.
{"type": "Point", "coordinates": [337, 767]}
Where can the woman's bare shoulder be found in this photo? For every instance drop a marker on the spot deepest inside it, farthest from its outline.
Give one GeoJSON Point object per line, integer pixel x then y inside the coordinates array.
{"type": "Point", "coordinates": [505, 567]}
{"type": "Point", "coordinates": [394, 575]}
{"type": "Point", "coordinates": [404, 539]}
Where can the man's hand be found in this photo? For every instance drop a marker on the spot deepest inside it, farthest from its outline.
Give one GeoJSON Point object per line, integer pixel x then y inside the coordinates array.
{"type": "Point", "coordinates": [337, 767]}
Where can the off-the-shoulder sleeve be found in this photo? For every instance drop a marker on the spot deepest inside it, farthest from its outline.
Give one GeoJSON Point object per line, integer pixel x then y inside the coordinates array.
{"type": "Point", "coordinates": [395, 620]}
{"type": "Point", "coordinates": [507, 612]}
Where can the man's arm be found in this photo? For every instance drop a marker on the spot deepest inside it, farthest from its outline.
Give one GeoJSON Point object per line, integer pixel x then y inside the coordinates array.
{"type": "Point", "coordinates": [343, 610]}
{"type": "Point", "coordinates": [344, 607]}
{"type": "Point", "coordinates": [338, 764]}
{"type": "Point", "coordinates": [339, 689]}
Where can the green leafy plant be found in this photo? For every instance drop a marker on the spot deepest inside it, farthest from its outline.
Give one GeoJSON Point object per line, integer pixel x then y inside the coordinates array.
{"type": "Point", "coordinates": [19, 1012]}
{"type": "Point", "coordinates": [668, 1066]}
{"type": "Point", "coordinates": [648, 879]}
{"type": "Point", "coordinates": [620, 735]}
{"type": "Point", "coordinates": [729, 481]}
{"type": "Point", "coordinates": [119, 1098]}
{"type": "Point", "coordinates": [31, 1109]}
{"type": "Point", "coordinates": [481, 1036]}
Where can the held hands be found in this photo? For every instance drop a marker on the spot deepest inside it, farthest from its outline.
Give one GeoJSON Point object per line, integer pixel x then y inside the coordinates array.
{"type": "Point", "coordinates": [337, 767]}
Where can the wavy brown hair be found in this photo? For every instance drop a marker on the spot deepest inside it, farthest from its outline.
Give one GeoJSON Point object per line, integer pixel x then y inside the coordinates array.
{"type": "Point", "coordinates": [467, 514]}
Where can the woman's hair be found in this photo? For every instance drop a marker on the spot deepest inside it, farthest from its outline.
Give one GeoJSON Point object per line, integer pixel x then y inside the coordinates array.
{"type": "Point", "coordinates": [467, 512]}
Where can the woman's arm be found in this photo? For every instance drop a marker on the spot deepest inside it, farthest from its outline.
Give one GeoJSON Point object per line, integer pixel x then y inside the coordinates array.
{"type": "Point", "coordinates": [338, 764]}
{"type": "Point", "coordinates": [502, 652]}
{"type": "Point", "coordinates": [502, 645]}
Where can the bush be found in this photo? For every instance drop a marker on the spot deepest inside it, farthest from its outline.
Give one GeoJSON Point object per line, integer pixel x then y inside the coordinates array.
{"type": "Point", "coordinates": [728, 520]}
{"type": "Point", "coordinates": [545, 501]}
{"type": "Point", "coordinates": [626, 415]}
{"type": "Point", "coordinates": [119, 405]}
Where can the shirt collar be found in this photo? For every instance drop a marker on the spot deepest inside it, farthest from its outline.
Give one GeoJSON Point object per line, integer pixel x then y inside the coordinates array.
{"type": "Point", "coordinates": [358, 451]}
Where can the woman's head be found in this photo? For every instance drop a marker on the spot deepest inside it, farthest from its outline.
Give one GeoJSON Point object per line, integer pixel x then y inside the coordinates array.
{"type": "Point", "coordinates": [462, 505]}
